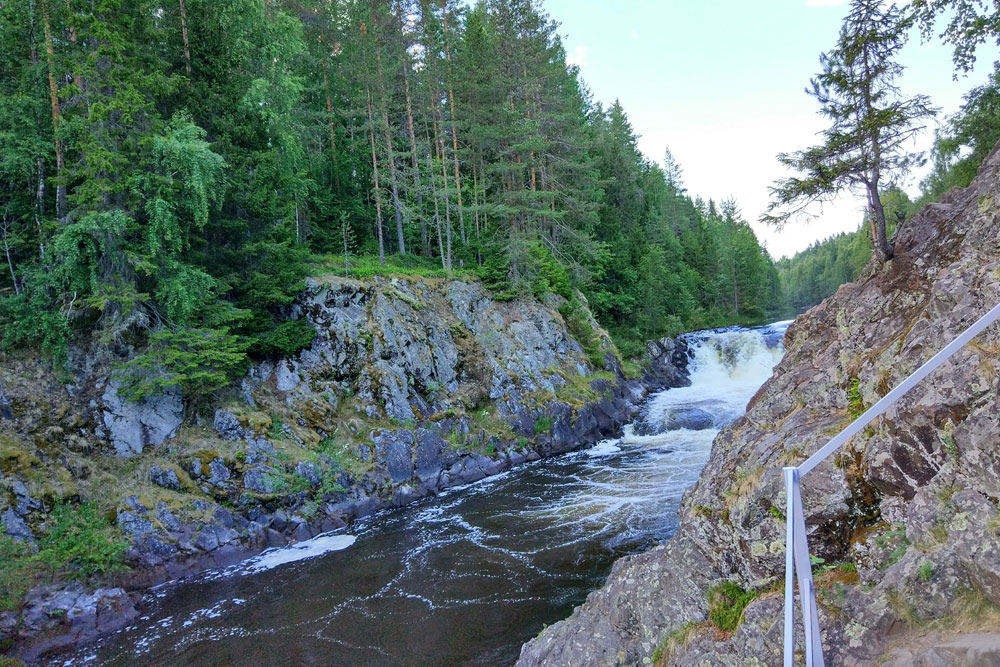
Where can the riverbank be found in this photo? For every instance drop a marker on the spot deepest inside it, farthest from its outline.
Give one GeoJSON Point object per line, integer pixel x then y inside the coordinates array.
{"type": "Point", "coordinates": [410, 388]}
{"type": "Point", "coordinates": [468, 575]}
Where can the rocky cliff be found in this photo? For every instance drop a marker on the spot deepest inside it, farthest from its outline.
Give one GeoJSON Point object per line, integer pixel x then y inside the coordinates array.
{"type": "Point", "coordinates": [411, 386]}
{"type": "Point", "coordinates": [905, 518]}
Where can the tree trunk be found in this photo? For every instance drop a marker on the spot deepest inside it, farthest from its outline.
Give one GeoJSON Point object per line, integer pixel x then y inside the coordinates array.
{"type": "Point", "coordinates": [876, 214]}
{"type": "Point", "coordinates": [61, 203]}
{"type": "Point", "coordinates": [184, 36]}
{"type": "Point", "coordinates": [333, 133]}
{"type": "Point", "coordinates": [439, 142]}
{"type": "Point", "coordinates": [437, 210]}
{"type": "Point", "coordinates": [454, 126]}
{"type": "Point", "coordinates": [425, 248]}
{"type": "Point", "coordinates": [400, 241]}
{"type": "Point", "coordinates": [375, 192]}
{"type": "Point", "coordinates": [6, 246]}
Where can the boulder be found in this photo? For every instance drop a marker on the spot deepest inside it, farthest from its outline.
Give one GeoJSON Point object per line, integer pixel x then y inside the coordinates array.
{"type": "Point", "coordinates": [165, 477]}
{"type": "Point", "coordinates": [15, 526]}
{"type": "Point", "coordinates": [135, 425]}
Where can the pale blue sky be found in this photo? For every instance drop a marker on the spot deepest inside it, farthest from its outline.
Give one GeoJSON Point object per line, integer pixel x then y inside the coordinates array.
{"type": "Point", "coordinates": [721, 83]}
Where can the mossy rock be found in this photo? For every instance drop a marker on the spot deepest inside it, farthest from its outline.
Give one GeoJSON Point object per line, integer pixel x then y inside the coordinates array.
{"type": "Point", "coordinates": [16, 456]}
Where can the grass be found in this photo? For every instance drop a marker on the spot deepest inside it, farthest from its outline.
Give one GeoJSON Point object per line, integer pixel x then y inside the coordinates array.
{"type": "Point", "coordinates": [79, 543]}
{"type": "Point", "coordinates": [746, 480]}
{"type": "Point", "coordinates": [345, 456]}
{"type": "Point", "coordinates": [368, 266]}
{"type": "Point", "coordinates": [543, 425]}
{"type": "Point", "coordinates": [726, 603]}
{"type": "Point", "coordinates": [855, 403]}
{"type": "Point", "coordinates": [17, 572]}
{"type": "Point", "coordinates": [679, 638]}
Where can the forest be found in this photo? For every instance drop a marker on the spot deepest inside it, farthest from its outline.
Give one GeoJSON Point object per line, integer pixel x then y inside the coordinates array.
{"type": "Point", "coordinates": [174, 169]}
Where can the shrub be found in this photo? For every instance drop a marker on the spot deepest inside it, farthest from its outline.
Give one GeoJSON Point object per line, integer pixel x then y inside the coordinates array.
{"type": "Point", "coordinates": [575, 315]}
{"type": "Point", "coordinates": [80, 542]}
{"type": "Point", "coordinates": [543, 424]}
{"type": "Point", "coordinates": [196, 361]}
{"type": "Point", "coordinates": [16, 572]}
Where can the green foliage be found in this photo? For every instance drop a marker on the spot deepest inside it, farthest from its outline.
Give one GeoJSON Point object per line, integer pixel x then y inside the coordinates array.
{"type": "Point", "coordinates": [285, 339]}
{"type": "Point", "coordinates": [926, 571]}
{"type": "Point", "coordinates": [195, 187]}
{"type": "Point", "coordinates": [80, 542]}
{"type": "Point", "coordinates": [855, 403]}
{"type": "Point", "coordinates": [196, 361]}
{"type": "Point", "coordinates": [726, 603]}
{"type": "Point", "coordinates": [543, 425]}
{"type": "Point", "coordinates": [17, 570]}
{"type": "Point", "coordinates": [580, 328]}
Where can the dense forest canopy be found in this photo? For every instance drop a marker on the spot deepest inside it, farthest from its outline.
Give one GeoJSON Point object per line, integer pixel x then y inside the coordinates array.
{"type": "Point", "coordinates": [175, 168]}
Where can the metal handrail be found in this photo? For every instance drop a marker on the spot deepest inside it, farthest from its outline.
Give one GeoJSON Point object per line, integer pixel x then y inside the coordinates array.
{"type": "Point", "coordinates": [796, 543]}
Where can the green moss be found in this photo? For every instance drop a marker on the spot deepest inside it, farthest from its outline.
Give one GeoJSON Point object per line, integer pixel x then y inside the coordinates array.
{"type": "Point", "coordinates": [726, 603]}
{"type": "Point", "coordinates": [16, 456]}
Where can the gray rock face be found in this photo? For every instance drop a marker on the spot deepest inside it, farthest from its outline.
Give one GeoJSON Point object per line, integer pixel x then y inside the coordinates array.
{"type": "Point", "coordinates": [165, 477]}
{"type": "Point", "coordinates": [393, 451]}
{"type": "Point", "coordinates": [910, 503]}
{"type": "Point", "coordinates": [5, 405]}
{"type": "Point", "coordinates": [133, 426]}
{"type": "Point", "coordinates": [259, 481]}
{"type": "Point", "coordinates": [228, 426]}
{"type": "Point", "coordinates": [412, 348]}
{"type": "Point", "coordinates": [72, 614]}
{"type": "Point", "coordinates": [694, 419]}
{"type": "Point", "coordinates": [15, 526]}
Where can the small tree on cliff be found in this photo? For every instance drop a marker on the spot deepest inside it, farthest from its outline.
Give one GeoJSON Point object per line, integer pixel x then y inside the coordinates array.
{"type": "Point", "coordinates": [871, 122]}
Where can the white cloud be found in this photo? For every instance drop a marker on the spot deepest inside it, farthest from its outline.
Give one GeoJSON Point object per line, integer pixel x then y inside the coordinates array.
{"type": "Point", "coordinates": [578, 56]}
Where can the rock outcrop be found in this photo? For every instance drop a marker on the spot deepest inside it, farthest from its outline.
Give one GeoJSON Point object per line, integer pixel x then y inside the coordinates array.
{"type": "Point", "coordinates": [411, 386]}
{"type": "Point", "coordinates": [905, 518]}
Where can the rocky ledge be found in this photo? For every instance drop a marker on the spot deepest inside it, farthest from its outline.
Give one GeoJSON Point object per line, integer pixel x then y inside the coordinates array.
{"type": "Point", "coordinates": [410, 387]}
{"type": "Point", "coordinates": [905, 518]}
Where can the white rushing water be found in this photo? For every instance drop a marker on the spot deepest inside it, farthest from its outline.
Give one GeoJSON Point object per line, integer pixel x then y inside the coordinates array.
{"type": "Point", "coordinates": [465, 578]}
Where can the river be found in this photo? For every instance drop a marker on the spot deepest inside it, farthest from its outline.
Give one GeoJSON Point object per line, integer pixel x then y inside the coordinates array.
{"type": "Point", "coordinates": [469, 576]}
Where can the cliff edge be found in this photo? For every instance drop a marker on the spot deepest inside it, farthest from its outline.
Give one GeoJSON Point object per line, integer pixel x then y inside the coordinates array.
{"type": "Point", "coordinates": [904, 518]}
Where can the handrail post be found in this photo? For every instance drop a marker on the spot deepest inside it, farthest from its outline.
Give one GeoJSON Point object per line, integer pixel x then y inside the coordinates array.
{"type": "Point", "coordinates": [789, 568]}
{"type": "Point", "coordinates": [797, 563]}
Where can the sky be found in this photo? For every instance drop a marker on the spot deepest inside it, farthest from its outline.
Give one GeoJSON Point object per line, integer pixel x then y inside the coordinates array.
{"type": "Point", "coordinates": [721, 83]}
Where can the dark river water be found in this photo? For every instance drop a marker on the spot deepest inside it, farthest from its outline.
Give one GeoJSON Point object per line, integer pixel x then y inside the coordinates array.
{"type": "Point", "coordinates": [462, 579]}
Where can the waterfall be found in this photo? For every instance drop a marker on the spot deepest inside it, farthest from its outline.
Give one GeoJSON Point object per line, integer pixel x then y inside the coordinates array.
{"type": "Point", "coordinates": [726, 367]}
